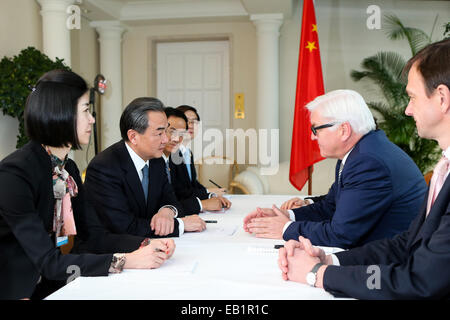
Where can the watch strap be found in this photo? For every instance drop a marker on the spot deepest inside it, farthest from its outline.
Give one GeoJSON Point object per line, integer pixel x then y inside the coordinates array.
{"type": "Point", "coordinates": [316, 267]}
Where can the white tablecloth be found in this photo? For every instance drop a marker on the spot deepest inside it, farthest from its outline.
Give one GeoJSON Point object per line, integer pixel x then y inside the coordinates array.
{"type": "Point", "coordinates": [221, 263]}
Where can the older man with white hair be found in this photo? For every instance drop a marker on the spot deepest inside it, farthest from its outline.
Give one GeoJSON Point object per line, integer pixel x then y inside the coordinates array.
{"type": "Point", "coordinates": [377, 191]}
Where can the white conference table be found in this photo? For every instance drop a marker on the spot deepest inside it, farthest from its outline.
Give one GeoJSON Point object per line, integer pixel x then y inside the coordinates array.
{"type": "Point", "coordinates": [221, 263]}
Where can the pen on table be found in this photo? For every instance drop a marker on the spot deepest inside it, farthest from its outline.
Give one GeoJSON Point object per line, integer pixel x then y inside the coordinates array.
{"type": "Point", "coordinates": [210, 221]}
{"type": "Point", "coordinates": [215, 184]}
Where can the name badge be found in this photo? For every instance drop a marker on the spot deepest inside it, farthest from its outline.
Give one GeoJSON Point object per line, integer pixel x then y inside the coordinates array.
{"type": "Point", "coordinates": [60, 241]}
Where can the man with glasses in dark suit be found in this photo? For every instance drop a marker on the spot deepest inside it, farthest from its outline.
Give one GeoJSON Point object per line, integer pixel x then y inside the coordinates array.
{"type": "Point", "coordinates": [377, 188]}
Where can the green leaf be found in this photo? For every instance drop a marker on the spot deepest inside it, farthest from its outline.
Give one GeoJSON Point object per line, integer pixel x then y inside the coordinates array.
{"type": "Point", "coordinates": [384, 70]}
{"type": "Point", "coordinates": [17, 74]}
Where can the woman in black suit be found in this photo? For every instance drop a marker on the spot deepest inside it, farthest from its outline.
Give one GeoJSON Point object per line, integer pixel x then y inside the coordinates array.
{"type": "Point", "coordinates": [42, 200]}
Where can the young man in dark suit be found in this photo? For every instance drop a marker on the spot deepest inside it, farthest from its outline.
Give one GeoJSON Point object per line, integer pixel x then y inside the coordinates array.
{"type": "Point", "coordinates": [127, 182]}
{"type": "Point", "coordinates": [190, 192]}
{"type": "Point", "coordinates": [414, 264]}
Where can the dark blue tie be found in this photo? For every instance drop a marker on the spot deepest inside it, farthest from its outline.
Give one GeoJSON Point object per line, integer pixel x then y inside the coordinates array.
{"type": "Point", "coordinates": [168, 171]}
{"type": "Point", "coordinates": [145, 181]}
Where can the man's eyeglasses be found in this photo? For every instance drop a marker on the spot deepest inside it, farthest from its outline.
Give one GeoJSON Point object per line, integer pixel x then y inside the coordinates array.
{"type": "Point", "coordinates": [193, 121]}
{"type": "Point", "coordinates": [174, 133]}
{"type": "Point", "coordinates": [323, 126]}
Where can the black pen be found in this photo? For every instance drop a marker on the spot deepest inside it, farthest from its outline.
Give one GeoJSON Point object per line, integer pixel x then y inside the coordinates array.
{"type": "Point", "coordinates": [210, 221]}
{"type": "Point", "coordinates": [278, 246]}
{"type": "Point", "coordinates": [215, 184]}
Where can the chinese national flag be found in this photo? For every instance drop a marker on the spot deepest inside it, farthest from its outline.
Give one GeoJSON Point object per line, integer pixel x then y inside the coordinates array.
{"type": "Point", "coordinates": [304, 151]}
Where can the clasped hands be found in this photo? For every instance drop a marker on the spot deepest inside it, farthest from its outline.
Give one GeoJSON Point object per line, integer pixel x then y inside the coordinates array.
{"type": "Point", "coordinates": [151, 256]}
{"type": "Point", "coordinates": [266, 222]}
{"type": "Point", "coordinates": [297, 258]}
{"type": "Point", "coordinates": [269, 223]}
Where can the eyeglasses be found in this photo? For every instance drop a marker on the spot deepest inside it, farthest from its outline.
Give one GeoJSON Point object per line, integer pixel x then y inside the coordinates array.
{"type": "Point", "coordinates": [314, 129]}
{"type": "Point", "coordinates": [174, 133]}
{"type": "Point", "coordinates": [193, 121]}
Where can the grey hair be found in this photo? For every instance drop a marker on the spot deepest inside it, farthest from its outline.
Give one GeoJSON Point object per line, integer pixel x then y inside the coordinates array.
{"type": "Point", "coordinates": [135, 115]}
{"type": "Point", "coordinates": [345, 106]}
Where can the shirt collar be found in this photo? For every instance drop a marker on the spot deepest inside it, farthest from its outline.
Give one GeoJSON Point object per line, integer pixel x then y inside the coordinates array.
{"type": "Point", "coordinates": [446, 153]}
{"type": "Point", "coordinates": [183, 148]}
{"type": "Point", "coordinates": [165, 158]}
{"type": "Point", "coordinates": [138, 162]}
{"type": "Point", "coordinates": [346, 156]}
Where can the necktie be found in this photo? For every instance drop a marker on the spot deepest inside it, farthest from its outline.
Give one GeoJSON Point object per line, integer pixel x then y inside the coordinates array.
{"type": "Point", "coordinates": [168, 171]}
{"type": "Point", "coordinates": [145, 181]}
{"type": "Point", "coordinates": [187, 161]}
{"type": "Point", "coordinates": [340, 171]}
{"type": "Point", "coordinates": [437, 181]}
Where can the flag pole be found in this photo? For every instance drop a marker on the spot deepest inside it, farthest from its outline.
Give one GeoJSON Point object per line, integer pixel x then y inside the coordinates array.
{"type": "Point", "coordinates": [310, 169]}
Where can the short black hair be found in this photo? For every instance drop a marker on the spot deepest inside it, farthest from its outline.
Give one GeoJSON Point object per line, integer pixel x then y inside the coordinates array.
{"type": "Point", "coordinates": [172, 112]}
{"type": "Point", "coordinates": [185, 108]}
{"type": "Point", "coordinates": [135, 115]}
{"type": "Point", "coordinates": [51, 109]}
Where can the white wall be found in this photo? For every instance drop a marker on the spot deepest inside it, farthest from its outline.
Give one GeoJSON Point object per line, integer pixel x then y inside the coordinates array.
{"type": "Point", "coordinates": [344, 42]}
{"type": "Point", "coordinates": [20, 27]}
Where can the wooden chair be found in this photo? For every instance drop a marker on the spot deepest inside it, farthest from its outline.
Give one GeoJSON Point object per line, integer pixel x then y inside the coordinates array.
{"type": "Point", "coordinates": [221, 170]}
{"type": "Point", "coordinates": [234, 186]}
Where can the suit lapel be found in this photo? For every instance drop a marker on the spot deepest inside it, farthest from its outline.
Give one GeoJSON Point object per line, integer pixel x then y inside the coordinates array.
{"type": "Point", "coordinates": [193, 171]}
{"type": "Point", "coordinates": [132, 177]}
{"type": "Point", "coordinates": [426, 226]}
{"type": "Point", "coordinates": [183, 169]}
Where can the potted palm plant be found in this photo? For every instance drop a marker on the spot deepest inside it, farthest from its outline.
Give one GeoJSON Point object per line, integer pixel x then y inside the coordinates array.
{"type": "Point", "coordinates": [384, 69]}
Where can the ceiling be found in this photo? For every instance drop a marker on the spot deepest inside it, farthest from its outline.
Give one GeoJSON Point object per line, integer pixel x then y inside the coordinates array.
{"type": "Point", "coordinates": [141, 12]}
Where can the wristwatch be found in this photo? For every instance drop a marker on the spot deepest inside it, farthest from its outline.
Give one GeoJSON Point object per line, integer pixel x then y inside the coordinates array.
{"type": "Point", "coordinates": [117, 263]}
{"type": "Point", "coordinates": [311, 277]}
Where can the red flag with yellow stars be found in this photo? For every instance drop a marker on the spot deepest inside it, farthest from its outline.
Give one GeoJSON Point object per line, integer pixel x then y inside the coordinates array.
{"type": "Point", "coordinates": [304, 151]}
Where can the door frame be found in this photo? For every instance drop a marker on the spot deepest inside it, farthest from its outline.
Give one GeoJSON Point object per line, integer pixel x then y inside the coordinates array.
{"type": "Point", "coordinates": [152, 43]}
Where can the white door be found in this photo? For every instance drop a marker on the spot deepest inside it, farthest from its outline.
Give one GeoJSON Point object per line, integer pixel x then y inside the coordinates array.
{"type": "Point", "coordinates": [197, 74]}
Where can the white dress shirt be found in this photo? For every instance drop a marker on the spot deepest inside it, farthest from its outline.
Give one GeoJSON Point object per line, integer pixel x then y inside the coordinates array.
{"type": "Point", "coordinates": [139, 164]}
{"type": "Point", "coordinates": [446, 153]}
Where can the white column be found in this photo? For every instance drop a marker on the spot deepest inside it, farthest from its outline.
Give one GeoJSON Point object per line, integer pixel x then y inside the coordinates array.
{"type": "Point", "coordinates": [267, 31]}
{"type": "Point", "coordinates": [111, 68]}
{"type": "Point", "coordinates": [56, 35]}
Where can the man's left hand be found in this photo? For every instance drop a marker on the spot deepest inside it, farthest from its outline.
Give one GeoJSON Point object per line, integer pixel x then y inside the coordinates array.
{"type": "Point", "coordinates": [269, 227]}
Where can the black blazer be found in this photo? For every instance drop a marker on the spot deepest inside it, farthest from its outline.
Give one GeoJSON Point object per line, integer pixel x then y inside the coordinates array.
{"type": "Point", "coordinates": [115, 190]}
{"type": "Point", "coordinates": [27, 245]}
{"type": "Point", "coordinates": [186, 190]}
{"type": "Point", "coordinates": [413, 265]}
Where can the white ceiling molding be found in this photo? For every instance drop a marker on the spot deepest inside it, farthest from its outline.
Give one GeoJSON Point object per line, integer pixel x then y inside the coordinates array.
{"type": "Point", "coordinates": [151, 10]}
{"type": "Point", "coordinates": [137, 12]}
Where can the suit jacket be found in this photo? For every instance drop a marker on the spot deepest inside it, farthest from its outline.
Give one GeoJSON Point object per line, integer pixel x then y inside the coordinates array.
{"type": "Point", "coordinates": [27, 244]}
{"type": "Point", "coordinates": [115, 190]}
{"type": "Point", "coordinates": [186, 190]}
{"type": "Point", "coordinates": [413, 265]}
{"type": "Point", "coordinates": [379, 194]}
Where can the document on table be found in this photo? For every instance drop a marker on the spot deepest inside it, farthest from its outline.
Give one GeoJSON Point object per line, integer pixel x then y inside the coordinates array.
{"type": "Point", "coordinates": [221, 230]}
